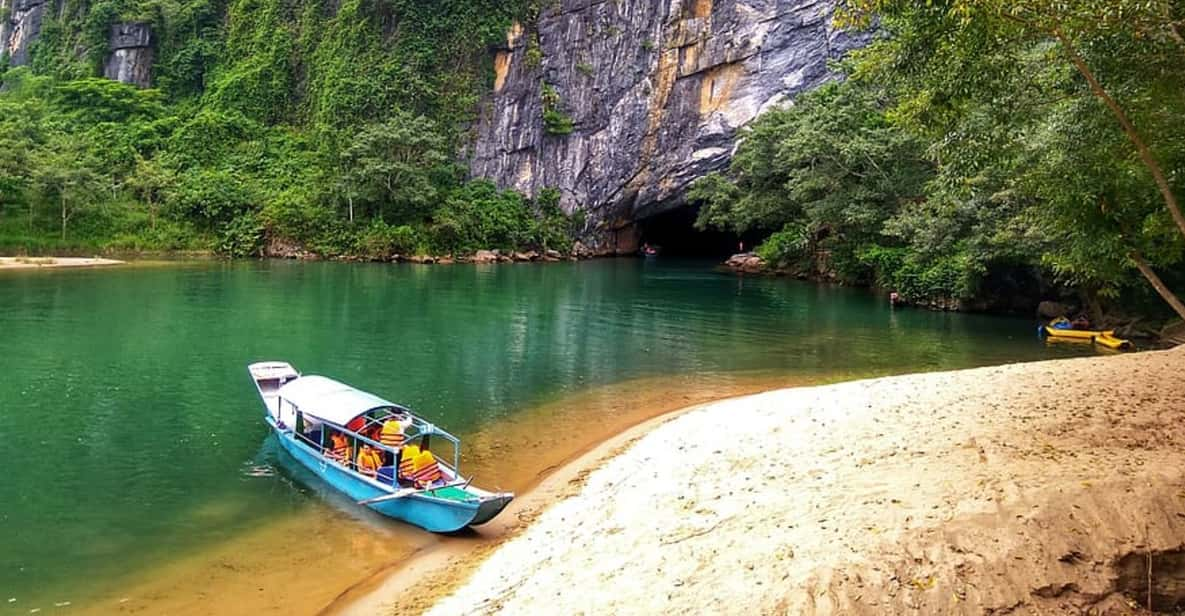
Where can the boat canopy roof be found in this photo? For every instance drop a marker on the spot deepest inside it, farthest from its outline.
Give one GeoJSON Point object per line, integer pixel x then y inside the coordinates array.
{"type": "Point", "coordinates": [330, 400]}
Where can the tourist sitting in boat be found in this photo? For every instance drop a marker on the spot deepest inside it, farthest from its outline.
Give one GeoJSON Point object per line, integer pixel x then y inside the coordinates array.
{"type": "Point", "coordinates": [392, 435]}
{"type": "Point", "coordinates": [369, 460]}
{"type": "Point", "coordinates": [407, 462]}
{"type": "Point", "coordinates": [1080, 322]}
{"type": "Point", "coordinates": [427, 470]}
{"type": "Point", "coordinates": [339, 448]}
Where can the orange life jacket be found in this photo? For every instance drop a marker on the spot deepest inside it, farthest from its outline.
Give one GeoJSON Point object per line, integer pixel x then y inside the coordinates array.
{"type": "Point", "coordinates": [369, 461]}
{"type": "Point", "coordinates": [340, 448]}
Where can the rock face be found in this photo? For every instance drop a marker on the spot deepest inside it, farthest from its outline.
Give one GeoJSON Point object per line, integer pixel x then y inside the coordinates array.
{"type": "Point", "coordinates": [20, 25]}
{"type": "Point", "coordinates": [655, 91]}
{"type": "Point", "coordinates": [131, 54]}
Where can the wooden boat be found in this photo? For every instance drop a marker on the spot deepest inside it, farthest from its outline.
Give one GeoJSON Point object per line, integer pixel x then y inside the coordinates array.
{"type": "Point", "coordinates": [304, 411]}
{"type": "Point", "coordinates": [1104, 338]}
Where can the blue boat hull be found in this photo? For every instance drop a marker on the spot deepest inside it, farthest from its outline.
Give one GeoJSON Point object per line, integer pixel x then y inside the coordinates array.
{"type": "Point", "coordinates": [431, 513]}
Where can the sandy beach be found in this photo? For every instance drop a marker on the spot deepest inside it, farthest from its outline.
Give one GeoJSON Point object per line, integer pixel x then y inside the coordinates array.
{"type": "Point", "coordinates": [1051, 487]}
{"type": "Point", "coordinates": [360, 560]}
{"type": "Point", "coordinates": [14, 263]}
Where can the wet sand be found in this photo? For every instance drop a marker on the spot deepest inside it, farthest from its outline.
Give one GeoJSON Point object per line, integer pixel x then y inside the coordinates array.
{"type": "Point", "coordinates": [1048, 487]}
{"type": "Point", "coordinates": [15, 263]}
{"type": "Point", "coordinates": [330, 557]}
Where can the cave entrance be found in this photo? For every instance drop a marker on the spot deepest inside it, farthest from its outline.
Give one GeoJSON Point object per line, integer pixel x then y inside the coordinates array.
{"type": "Point", "coordinates": [674, 233]}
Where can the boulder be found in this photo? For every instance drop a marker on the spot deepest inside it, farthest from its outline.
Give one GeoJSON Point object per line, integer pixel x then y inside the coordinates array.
{"type": "Point", "coordinates": [284, 248]}
{"type": "Point", "coordinates": [746, 262]}
{"type": "Point", "coordinates": [1052, 310]}
{"type": "Point", "coordinates": [485, 256]}
{"type": "Point", "coordinates": [1174, 333]}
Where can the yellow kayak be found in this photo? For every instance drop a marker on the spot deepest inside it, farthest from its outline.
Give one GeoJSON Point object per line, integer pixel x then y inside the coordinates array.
{"type": "Point", "coordinates": [1105, 338]}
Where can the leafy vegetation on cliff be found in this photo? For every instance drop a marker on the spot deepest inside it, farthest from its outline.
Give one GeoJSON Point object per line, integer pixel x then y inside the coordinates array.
{"type": "Point", "coordinates": [978, 137]}
{"type": "Point", "coordinates": [333, 125]}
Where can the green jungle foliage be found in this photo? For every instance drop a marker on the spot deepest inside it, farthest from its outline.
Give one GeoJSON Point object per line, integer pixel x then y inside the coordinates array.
{"type": "Point", "coordinates": [969, 139]}
{"type": "Point", "coordinates": [331, 125]}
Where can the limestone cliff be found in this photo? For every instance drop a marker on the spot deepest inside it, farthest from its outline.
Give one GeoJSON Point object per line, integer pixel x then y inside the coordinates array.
{"type": "Point", "coordinates": [130, 58]}
{"type": "Point", "coordinates": [20, 24]}
{"type": "Point", "coordinates": [655, 91]}
{"type": "Point", "coordinates": [131, 54]}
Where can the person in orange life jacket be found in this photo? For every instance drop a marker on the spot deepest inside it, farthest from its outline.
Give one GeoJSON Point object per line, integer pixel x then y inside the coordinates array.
{"type": "Point", "coordinates": [339, 448]}
{"type": "Point", "coordinates": [369, 460]}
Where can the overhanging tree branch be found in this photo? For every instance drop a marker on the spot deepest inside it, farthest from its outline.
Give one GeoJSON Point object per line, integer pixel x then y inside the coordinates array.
{"type": "Point", "coordinates": [1170, 200]}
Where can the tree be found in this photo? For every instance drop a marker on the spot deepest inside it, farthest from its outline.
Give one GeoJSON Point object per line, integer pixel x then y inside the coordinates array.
{"type": "Point", "coordinates": [149, 181]}
{"type": "Point", "coordinates": [830, 167]}
{"type": "Point", "coordinates": [63, 172]}
{"type": "Point", "coordinates": [950, 59]}
{"type": "Point", "coordinates": [396, 166]}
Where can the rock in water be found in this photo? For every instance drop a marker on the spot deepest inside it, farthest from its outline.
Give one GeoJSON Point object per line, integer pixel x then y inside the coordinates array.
{"type": "Point", "coordinates": [1051, 310]}
{"type": "Point", "coordinates": [621, 105]}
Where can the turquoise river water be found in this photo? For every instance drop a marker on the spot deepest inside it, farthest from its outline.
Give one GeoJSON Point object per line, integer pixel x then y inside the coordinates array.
{"type": "Point", "coordinates": [130, 435]}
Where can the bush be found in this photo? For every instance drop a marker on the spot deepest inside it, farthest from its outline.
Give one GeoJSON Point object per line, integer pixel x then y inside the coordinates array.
{"type": "Point", "coordinates": [787, 246]}
{"type": "Point", "coordinates": [553, 229]}
{"type": "Point", "coordinates": [917, 279]}
{"type": "Point", "coordinates": [380, 241]}
{"type": "Point", "coordinates": [242, 236]}
{"type": "Point", "coordinates": [557, 122]}
{"type": "Point", "coordinates": [479, 216]}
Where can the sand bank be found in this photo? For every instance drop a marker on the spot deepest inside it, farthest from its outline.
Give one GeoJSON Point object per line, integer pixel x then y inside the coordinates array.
{"type": "Point", "coordinates": [331, 555]}
{"type": "Point", "coordinates": [13, 263]}
{"type": "Point", "coordinates": [1052, 487]}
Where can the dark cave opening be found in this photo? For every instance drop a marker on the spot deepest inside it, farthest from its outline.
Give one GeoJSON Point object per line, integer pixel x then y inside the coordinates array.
{"type": "Point", "coordinates": [674, 233]}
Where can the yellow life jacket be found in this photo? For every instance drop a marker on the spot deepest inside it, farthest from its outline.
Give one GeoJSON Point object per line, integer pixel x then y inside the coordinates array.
{"type": "Point", "coordinates": [392, 435]}
{"type": "Point", "coordinates": [427, 470]}
{"type": "Point", "coordinates": [407, 463]}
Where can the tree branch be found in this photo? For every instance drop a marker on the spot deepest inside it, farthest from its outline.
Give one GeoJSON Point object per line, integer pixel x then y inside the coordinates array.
{"type": "Point", "coordinates": [1165, 293]}
{"type": "Point", "coordinates": [1170, 200]}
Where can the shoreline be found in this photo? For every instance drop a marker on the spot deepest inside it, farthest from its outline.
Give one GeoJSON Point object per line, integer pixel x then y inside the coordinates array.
{"type": "Point", "coordinates": [450, 565]}
{"type": "Point", "coordinates": [927, 516]}
{"type": "Point", "coordinates": [359, 549]}
{"type": "Point", "coordinates": [34, 263]}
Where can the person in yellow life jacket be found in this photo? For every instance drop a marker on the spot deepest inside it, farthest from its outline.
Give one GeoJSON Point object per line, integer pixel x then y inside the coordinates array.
{"type": "Point", "coordinates": [427, 470]}
{"type": "Point", "coordinates": [392, 435]}
{"type": "Point", "coordinates": [407, 462]}
{"type": "Point", "coordinates": [338, 449]}
{"type": "Point", "coordinates": [369, 460]}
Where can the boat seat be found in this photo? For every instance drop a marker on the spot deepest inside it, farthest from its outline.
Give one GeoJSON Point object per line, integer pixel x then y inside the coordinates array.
{"type": "Point", "coordinates": [387, 475]}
